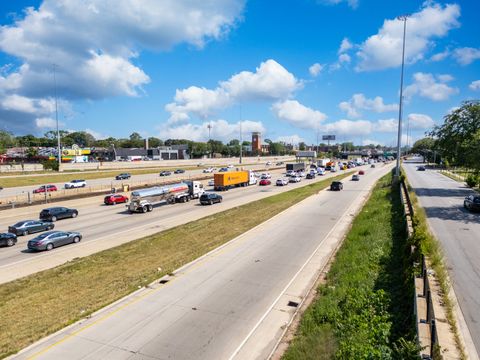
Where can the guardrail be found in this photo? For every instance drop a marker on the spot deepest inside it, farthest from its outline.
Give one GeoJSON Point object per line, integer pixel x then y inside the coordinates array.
{"type": "Point", "coordinates": [423, 305]}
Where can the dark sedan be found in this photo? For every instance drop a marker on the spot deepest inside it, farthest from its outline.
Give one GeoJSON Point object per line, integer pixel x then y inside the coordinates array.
{"type": "Point", "coordinates": [336, 186]}
{"type": "Point", "coordinates": [210, 198]}
{"type": "Point", "coordinates": [165, 173]}
{"type": "Point", "coordinates": [8, 239]}
{"type": "Point", "coordinates": [123, 176]}
{"type": "Point", "coordinates": [179, 171]}
{"type": "Point", "coordinates": [52, 239]}
{"type": "Point", "coordinates": [57, 213]}
{"type": "Point", "coordinates": [30, 226]}
{"type": "Point", "coordinates": [472, 203]}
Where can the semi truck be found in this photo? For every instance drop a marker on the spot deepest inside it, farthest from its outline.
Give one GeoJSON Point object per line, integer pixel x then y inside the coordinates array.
{"type": "Point", "coordinates": [227, 180]}
{"type": "Point", "coordinates": [295, 167]}
{"type": "Point", "coordinates": [323, 162]}
{"type": "Point", "coordinates": [143, 200]}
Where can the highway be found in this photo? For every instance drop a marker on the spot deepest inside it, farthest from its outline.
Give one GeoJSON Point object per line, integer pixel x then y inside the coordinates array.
{"type": "Point", "coordinates": [232, 303]}
{"type": "Point", "coordinates": [104, 226]}
{"type": "Point", "coordinates": [458, 232]}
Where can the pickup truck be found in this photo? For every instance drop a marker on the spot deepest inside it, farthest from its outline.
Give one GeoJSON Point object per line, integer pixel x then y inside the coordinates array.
{"type": "Point", "coordinates": [75, 184]}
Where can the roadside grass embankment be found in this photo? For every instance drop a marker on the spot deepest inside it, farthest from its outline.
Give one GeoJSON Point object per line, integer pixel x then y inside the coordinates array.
{"type": "Point", "coordinates": [364, 308]}
{"type": "Point", "coordinates": [40, 304]}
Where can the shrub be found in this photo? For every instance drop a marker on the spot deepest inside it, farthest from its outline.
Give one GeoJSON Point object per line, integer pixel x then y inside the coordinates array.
{"type": "Point", "coordinates": [472, 180]}
{"type": "Point", "coordinates": [50, 165]}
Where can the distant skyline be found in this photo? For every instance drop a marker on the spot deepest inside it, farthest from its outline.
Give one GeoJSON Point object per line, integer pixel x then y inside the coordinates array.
{"type": "Point", "coordinates": [291, 70]}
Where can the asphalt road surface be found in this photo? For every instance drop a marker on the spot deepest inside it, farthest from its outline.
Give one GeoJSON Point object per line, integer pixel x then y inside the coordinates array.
{"type": "Point", "coordinates": [229, 304]}
{"type": "Point", "coordinates": [104, 226]}
{"type": "Point", "coordinates": [458, 231]}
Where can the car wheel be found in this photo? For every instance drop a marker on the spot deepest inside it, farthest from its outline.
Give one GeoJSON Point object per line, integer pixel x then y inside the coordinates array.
{"type": "Point", "coordinates": [83, 185]}
{"type": "Point", "coordinates": [464, 204]}
{"type": "Point", "coordinates": [25, 232]}
{"type": "Point", "coordinates": [76, 239]}
{"type": "Point", "coordinates": [220, 200]}
{"type": "Point", "coordinates": [49, 246]}
{"type": "Point", "coordinates": [54, 218]}
{"type": "Point", "coordinates": [10, 242]}
{"type": "Point", "coordinates": [211, 202]}
{"type": "Point", "coordinates": [50, 227]}
{"type": "Point", "coordinates": [74, 215]}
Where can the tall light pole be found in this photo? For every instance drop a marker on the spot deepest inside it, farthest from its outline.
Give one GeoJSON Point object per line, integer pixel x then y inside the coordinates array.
{"type": "Point", "coordinates": [56, 118]}
{"type": "Point", "coordinates": [209, 126]}
{"type": "Point", "coordinates": [399, 140]}
{"type": "Point", "coordinates": [241, 140]}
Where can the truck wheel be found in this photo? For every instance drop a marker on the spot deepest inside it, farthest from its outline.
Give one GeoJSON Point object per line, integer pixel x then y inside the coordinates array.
{"type": "Point", "coordinates": [143, 209]}
{"type": "Point", "coordinates": [149, 208]}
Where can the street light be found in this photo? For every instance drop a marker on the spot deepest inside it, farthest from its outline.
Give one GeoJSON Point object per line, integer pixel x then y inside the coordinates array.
{"type": "Point", "coordinates": [399, 140]}
{"type": "Point", "coordinates": [56, 118]}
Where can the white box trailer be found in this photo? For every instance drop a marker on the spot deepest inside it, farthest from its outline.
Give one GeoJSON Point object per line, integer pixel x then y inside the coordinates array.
{"type": "Point", "coordinates": [142, 201]}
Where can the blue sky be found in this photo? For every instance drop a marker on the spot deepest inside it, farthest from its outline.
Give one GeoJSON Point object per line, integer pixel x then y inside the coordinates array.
{"type": "Point", "coordinates": [290, 69]}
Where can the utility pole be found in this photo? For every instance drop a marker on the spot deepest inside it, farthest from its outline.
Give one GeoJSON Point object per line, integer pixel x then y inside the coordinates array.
{"type": "Point", "coordinates": [241, 140]}
{"type": "Point", "coordinates": [209, 126]}
{"type": "Point", "coordinates": [399, 139]}
{"type": "Point", "coordinates": [56, 118]}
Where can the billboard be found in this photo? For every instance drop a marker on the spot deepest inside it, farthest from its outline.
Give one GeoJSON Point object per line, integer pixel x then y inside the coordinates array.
{"type": "Point", "coordinates": [328, 137]}
{"type": "Point", "coordinates": [307, 154]}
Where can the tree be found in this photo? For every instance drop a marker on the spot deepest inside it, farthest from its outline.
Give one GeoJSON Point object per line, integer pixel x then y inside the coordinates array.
{"type": "Point", "coordinates": [80, 138]}
{"type": "Point", "coordinates": [277, 148]}
{"type": "Point", "coordinates": [302, 146]}
{"type": "Point", "coordinates": [154, 142]}
{"type": "Point", "coordinates": [424, 147]}
{"type": "Point", "coordinates": [6, 141]}
{"type": "Point", "coordinates": [458, 138]}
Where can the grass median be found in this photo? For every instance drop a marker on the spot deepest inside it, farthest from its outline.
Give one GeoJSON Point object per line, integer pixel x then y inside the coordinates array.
{"type": "Point", "coordinates": [364, 310]}
{"type": "Point", "coordinates": [42, 303]}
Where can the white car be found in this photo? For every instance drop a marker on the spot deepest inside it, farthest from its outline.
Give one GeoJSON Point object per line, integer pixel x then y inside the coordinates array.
{"type": "Point", "coordinates": [290, 173]}
{"type": "Point", "coordinates": [208, 170]}
{"type": "Point", "coordinates": [301, 174]}
{"type": "Point", "coordinates": [295, 179]}
{"type": "Point", "coordinates": [321, 171]}
{"type": "Point", "coordinates": [334, 169]}
{"type": "Point", "coordinates": [265, 176]}
{"type": "Point", "coordinates": [211, 183]}
{"type": "Point", "coordinates": [230, 166]}
{"type": "Point", "coordinates": [282, 182]}
{"type": "Point", "coordinates": [268, 163]}
{"type": "Point", "coordinates": [75, 184]}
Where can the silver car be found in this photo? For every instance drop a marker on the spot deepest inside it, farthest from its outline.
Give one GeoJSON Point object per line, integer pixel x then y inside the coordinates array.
{"type": "Point", "coordinates": [52, 239]}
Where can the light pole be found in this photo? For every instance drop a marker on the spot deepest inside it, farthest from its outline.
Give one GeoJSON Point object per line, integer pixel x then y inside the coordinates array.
{"type": "Point", "coordinates": [56, 118]}
{"type": "Point", "coordinates": [209, 126]}
{"type": "Point", "coordinates": [241, 140]}
{"type": "Point", "coordinates": [399, 140]}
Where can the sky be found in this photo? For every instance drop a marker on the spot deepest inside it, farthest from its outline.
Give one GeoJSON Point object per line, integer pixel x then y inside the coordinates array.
{"type": "Point", "coordinates": [293, 70]}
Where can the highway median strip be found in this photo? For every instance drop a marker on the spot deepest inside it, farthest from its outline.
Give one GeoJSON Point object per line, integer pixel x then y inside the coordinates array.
{"type": "Point", "coordinates": [40, 304]}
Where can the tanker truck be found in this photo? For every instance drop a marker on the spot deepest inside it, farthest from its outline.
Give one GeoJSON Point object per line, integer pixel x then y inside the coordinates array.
{"type": "Point", "coordinates": [143, 200]}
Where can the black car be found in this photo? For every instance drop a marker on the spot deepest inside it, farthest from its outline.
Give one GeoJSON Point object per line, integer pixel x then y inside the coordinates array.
{"type": "Point", "coordinates": [57, 213]}
{"type": "Point", "coordinates": [279, 163]}
{"type": "Point", "coordinates": [165, 173]}
{"type": "Point", "coordinates": [310, 176]}
{"type": "Point", "coordinates": [355, 178]}
{"type": "Point", "coordinates": [30, 226]}
{"type": "Point", "coordinates": [8, 239]}
{"type": "Point", "coordinates": [210, 198]}
{"type": "Point", "coordinates": [179, 171]}
{"type": "Point", "coordinates": [123, 176]}
{"type": "Point", "coordinates": [472, 203]}
{"type": "Point", "coordinates": [421, 168]}
{"type": "Point", "coordinates": [336, 186]}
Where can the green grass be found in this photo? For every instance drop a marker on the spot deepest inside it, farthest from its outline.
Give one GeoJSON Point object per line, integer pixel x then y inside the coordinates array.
{"type": "Point", "coordinates": [42, 303]}
{"type": "Point", "coordinates": [364, 310]}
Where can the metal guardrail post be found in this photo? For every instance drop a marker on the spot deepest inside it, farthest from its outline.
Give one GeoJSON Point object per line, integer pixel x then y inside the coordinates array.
{"type": "Point", "coordinates": [429, 307]}
{"type": "Point", "coordinates": [433, 338]}
{"type": "Point", "coordinates": [425, 282]}
{"type": "Point", "coordinates": [423, 264]}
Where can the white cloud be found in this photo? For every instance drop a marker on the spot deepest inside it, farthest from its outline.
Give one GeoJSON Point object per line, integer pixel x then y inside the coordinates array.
{"type": "Point", "coordinates": [384, 49]}
{"type": "Point", "coordinates": [344, 58]}
{"type": "Point", "coordinates": [352, 3]}
{"type": "Point", "coordinates": [372, 141]}
{"type": "Point", "coordinates": [220, 130]}
{"type": "Point", "coordinates": [440, 56]}
{"type": "Point", "coordinates": [445, 77]}
{"type": "Point", "coordinates": [270, 81]}
{"type": "Point", "coordinates": [475, 85]}
{"type": "Point", "coordinates": [345, 46]}
{"type": "Point", "coordinates": [290, 139]}
{"type": "Point", "coordinates": [96, 43]}
{"type": "Point", "coordinates": [348, 127]}
{"type": "Point", "coordinates": [420, 121]}
{"type": "Point", "coordinates": [298, 115]}
{"type": "Point", "coordinates": [360, 102]}
{"type": "Point", "coordinates": [407, 140]}
{"type": "Point", "coordinates": [466, 55]}
{"type": "Point", "coordinates": [46, 122]}
{"type": "Point", "coordinates": [386, 126]}
{"type": "Point", "coordinates": [96, 134]}
{"type": "Point", "coordinates": [426, 85]}
{"type": "Point", "coordinates": [315, 69]}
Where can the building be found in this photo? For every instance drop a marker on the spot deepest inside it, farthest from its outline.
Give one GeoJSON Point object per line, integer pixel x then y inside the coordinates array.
{"type": "Point", "coordinates": [256, 142]}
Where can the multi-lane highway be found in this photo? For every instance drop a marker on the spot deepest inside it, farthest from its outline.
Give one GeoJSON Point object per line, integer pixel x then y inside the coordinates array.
{"type": "Point", "coordinates": [232, 303]}
{"type": "Point", "coordinates": [104, 226]}
{"type": "Point", "coordinates": [459, 234]}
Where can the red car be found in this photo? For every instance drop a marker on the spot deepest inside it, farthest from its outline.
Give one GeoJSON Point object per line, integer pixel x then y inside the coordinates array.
{"type": "Point", "coordinates": [265, 182]}
{"type": "Point", "coordinates": [42, 189]}
{"type": "Point", "coordinates": [115, 199]}
{"type": "Point", "coordinates": [361, 172]}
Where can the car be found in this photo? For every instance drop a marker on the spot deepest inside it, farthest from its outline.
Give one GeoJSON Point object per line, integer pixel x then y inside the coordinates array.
{"type": "Point", "coordinates": [472, 203]}
{"type": "Point", "coordinates": [372, 166]}
{"type": "Point", "coordinates": [123, 176]}
{"type": "Point", "coordinates": [361, 172]}
{"type": "Point", "coordinates": [30, 226]}
{"type": "Point", "coordinates": [301, 174]}
{"type": "Point", "coordinates": [265, 176]}
{"type": "Point", "coordinates": [279, 163]}
{"type": "Point", "coordinates": [268, 163]}
{"type": "Point", "coordinates": [310, 176]}
{"type": "Point", "coordinates": [165, 173]}
{"type": "Point", "coordinates": [8, 239]}
{"type": "Point", "coordinates": [115, 199]}
{"type": "Point", "coordinates": [210, 198]}
{"type": "Point", "coordinates": [230, 166]}
{"type": "Point", "coordinates": [52, 239]}
{"type": "Point", "coordinates": [75, 184]}
{"type": "Point", "coordinates": [211, 182]}
{"type": "Point", "coordinates": [355, 177]}
{"type": "Point", "coordinates": [264, 182]}
{"type": "Point", "coordinates": [282, 182]}
{"type": "Point", "coordinates": [56, 213]}
{"type": "Point", "coordinates": [290, 173]}
{"type": "Point", "coordinates": [295, 179]}
{"type": "Point", "coordinates": [421, 168]}
{"type": "Point", "coordinates": [333, 169]}
{"type": "Point", "coordinates": [179, 171]}
{"type": "Point", "coordinates": [321, 171]}
{"type": "Point", "coordinates": [44, 188]}
{"type": "Point", "coordinates": [223, 169]}
{"type": "Point", "coordinates": [208, 170]}
{"type": "Point", "coordinates": [336, 186]}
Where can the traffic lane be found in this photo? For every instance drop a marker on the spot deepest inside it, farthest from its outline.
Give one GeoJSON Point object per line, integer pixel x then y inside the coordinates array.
{"type": "Point", "coordinates": [209, 307]}
{"type": "Point", "coordinates": [458, 231]}
{"type": "Point", "coordinates": [120, 228]}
